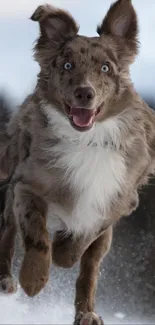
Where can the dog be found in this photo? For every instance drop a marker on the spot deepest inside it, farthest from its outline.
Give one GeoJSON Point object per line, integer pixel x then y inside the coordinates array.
{"type": "Point", "coordinates": [77, 152]}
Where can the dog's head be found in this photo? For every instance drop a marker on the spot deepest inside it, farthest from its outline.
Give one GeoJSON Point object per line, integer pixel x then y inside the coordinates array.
{"type": "Point", "coordinates": [83, 75]}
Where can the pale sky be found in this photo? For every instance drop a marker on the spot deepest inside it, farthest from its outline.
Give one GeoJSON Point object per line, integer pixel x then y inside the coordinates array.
{"type": "Point", "coordinates": [23, 8]}
{"type": "Point", "coordinates": [18, 33]}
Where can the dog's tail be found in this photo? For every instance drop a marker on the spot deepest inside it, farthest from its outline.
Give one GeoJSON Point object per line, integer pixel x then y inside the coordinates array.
{"type": "Point", "coordinates": [5, 139]}
{"type": "Point", "coordinates": [5, 114]}
{"type": "Point", "coordinates": [8, 150]}
{"type": "Point", "coordinates": [8, 140]}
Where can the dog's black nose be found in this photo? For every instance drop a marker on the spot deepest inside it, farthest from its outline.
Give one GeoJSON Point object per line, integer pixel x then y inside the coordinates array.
{"type": "Point", "coordinates": [84, 95]}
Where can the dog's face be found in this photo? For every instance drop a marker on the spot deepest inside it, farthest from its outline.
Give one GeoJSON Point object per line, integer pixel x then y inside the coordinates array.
{"type": "Point", "coordinates": [84, 75]}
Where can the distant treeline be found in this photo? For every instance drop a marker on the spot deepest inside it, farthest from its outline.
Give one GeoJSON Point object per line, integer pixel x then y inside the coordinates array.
{"type": "Point", "coordinates": [150, 102]}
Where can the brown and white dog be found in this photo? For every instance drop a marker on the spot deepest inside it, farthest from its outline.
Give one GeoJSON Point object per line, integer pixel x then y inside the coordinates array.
{"type": "Point", "coordinates": [79, 148]}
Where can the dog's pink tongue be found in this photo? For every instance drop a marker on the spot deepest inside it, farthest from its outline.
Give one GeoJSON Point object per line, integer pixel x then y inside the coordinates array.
{"type": "Point", "coordinates": [82, 117]}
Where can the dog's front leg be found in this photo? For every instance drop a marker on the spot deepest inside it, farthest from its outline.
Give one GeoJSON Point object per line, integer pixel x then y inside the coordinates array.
{"type": "Point", "coordinates": [87, 280]}
{"type": "Point", "coordinates": [30, 212]}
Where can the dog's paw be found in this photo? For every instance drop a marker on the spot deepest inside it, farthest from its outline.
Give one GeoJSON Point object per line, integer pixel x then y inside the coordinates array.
{"type": "Point", "coordinates": [8, 285]}
{"type": "Point", "coordinates": [34, 271]}
{"type": "Point", "coordinates": [89, 318]}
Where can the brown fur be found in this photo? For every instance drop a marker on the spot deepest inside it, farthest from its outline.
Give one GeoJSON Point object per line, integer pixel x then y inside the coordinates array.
{"type": "Point", "coordinates": [35, 184]}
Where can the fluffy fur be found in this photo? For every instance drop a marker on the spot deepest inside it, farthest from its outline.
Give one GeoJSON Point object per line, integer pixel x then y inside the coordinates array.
{"type": "Point", "coordinates": [82, 145]}
{"type": "Point", "coordinates": [93, 169]}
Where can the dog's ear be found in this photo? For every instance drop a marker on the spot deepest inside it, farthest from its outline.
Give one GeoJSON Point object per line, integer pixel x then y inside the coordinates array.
{"type": "Point", "coordinates": [55, 24]}
{"type": "Point", "coordinates": [121, 22]}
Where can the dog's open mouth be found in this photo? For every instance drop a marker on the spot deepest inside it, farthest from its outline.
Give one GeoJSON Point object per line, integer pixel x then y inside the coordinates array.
{"type": "Point", "coordinates": [82, 118]}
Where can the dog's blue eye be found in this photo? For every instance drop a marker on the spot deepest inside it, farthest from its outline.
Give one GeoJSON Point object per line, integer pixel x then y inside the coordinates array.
{"type": "Point", "coordinates": [67, 66]}
{"type": "Point", "coordinates": [105, 68]}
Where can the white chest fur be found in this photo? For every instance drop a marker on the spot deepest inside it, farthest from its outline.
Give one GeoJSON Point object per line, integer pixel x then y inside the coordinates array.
{"type": "Point", "coordinates": [94, 168]}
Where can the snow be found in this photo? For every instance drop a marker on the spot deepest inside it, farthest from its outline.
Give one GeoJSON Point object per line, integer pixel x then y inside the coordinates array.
{"type": "Point", "coordinates": [119, 315]}
{"type": "Point", "coordinates": [126, 288]}
{"type": "Point", "coordinates": [126, 291]}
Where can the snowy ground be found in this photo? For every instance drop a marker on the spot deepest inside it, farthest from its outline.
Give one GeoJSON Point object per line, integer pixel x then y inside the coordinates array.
{"type": "Point", "coordinates": [126, 291]}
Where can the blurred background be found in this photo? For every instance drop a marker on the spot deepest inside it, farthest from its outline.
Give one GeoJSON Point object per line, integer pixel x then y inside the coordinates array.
{"type": "Point", "coordinates": [126, 291]}
{"type": "Point", "coordinates": [18, 33]}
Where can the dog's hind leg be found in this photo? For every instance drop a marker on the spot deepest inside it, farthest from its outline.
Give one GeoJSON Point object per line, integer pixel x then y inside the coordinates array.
{"type": "Point", "coordinates": [7, 241]}
{"type": "Point", "coordinates": [67, 250]}
{"type": "Point", "coordinates": [87, 280]}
